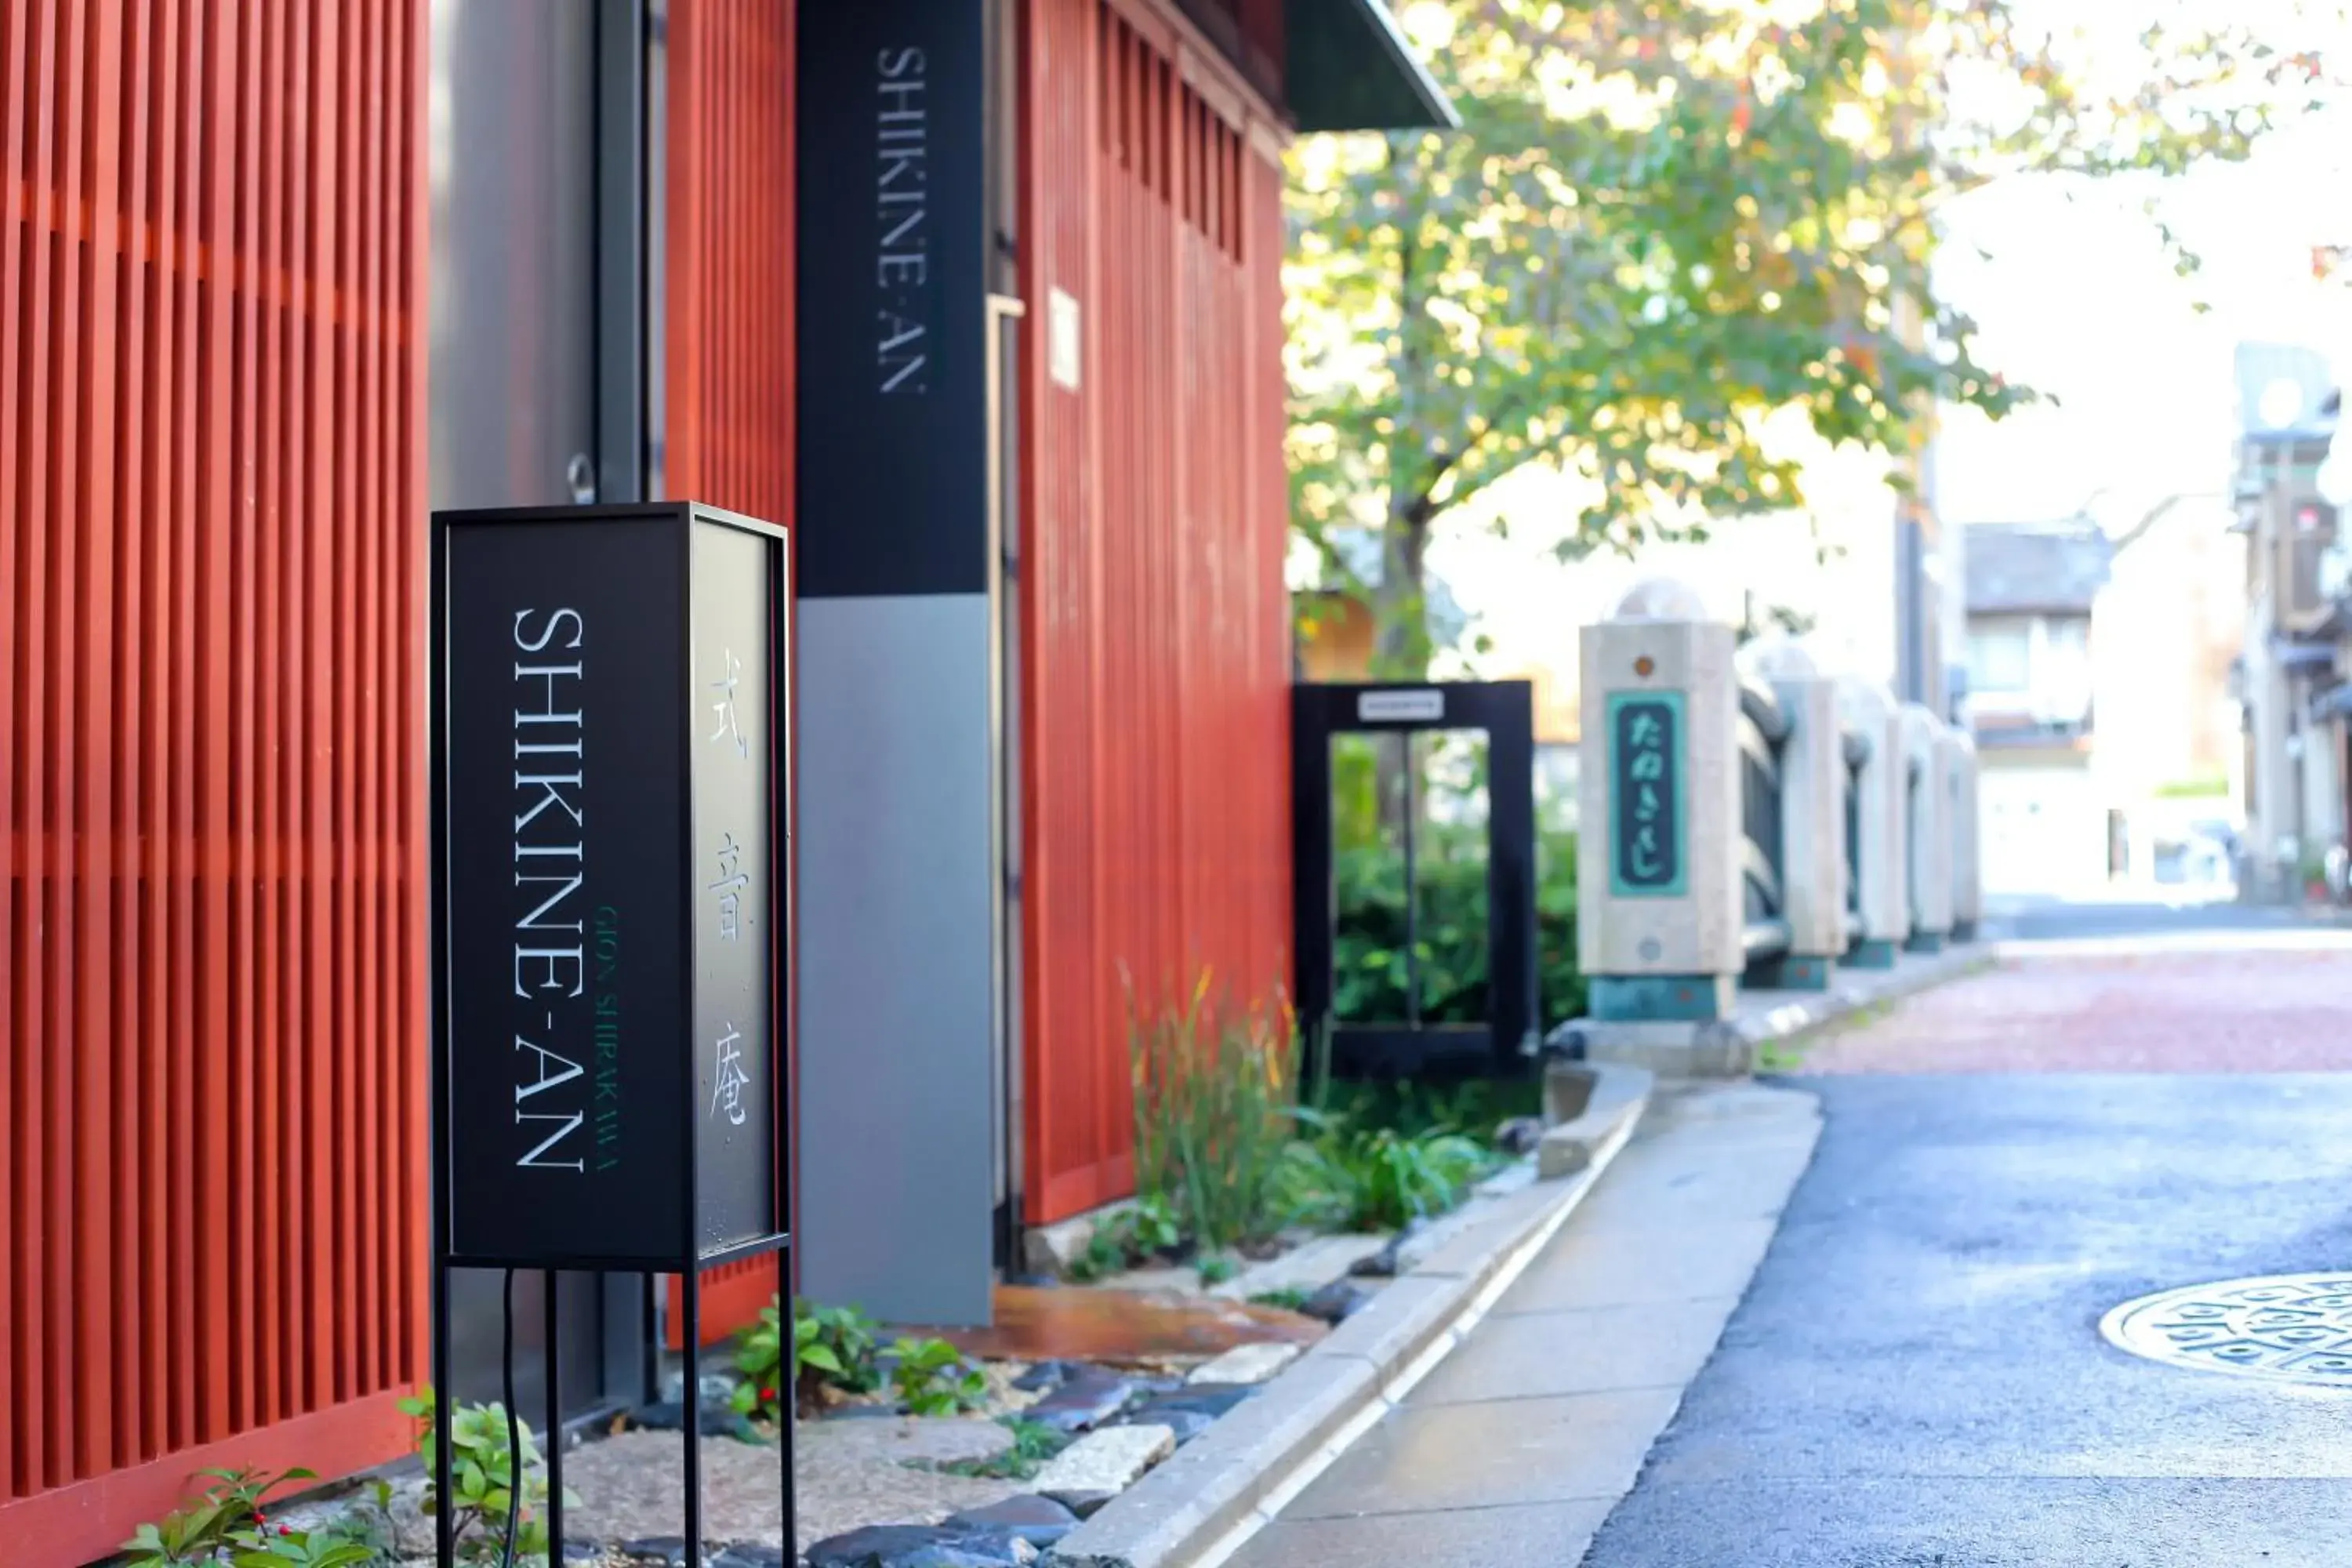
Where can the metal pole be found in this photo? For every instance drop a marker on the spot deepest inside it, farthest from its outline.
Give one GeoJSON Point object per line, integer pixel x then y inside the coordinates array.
{"type": "Point", "coordinates": [445, 1540]}
{"type": "Point", "coordinates": [1412, 889]}
{"type": "Point", "coordinates": [553, 1362]}
{"type": "Point", "coordinates": [691, 1290]}
{"type": "Point", "coordinates": [787, 1408]}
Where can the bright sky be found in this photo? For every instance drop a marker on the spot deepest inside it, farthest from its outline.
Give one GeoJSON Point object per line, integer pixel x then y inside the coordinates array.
{"type": "Point", "coordinates": [2078, 301]}
{"type": "Point", "coordinates": [2074, 297]}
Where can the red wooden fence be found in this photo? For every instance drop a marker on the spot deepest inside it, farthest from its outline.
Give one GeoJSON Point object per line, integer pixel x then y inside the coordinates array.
{"type": "Point", "coordinates": [212, 1188]}
{"type": "Point", "coordinates": [1155, 658]}
{"type": "Point", "coordinates": [729, 348]}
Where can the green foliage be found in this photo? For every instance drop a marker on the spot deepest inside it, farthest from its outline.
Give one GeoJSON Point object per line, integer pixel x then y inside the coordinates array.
{"type": "Point", "coordinates": [1369, 935]}
{"type": "Point", "coordinates": [1376, 1178]}
{"type": "Point", "coordinates": [1216, 1267]}
{"type": "Point", "coordinates": [484, 1487]}
{"type": "Point", "coordinates": [1474, 1108]}
{"type": "Point", "coordinates": [228, 1523]}
{"type": "Point", "coordinates": [1033, 1443]}
{"type": "Point", "coordinates": [760, 1362]}
{"type": "Point", "coordinates": [1215, 1087]}
{"type": "Point", "coordinates": [831, 1347]}
{"type": "Point", "coordinates": [1286, 1298]}
{"type": "Point", "coordinates": [932, 1378]}
{"type": "Point", "coordinates": [1664, 223]}
{"type": "Point", "coordinates": [1145, 1230]}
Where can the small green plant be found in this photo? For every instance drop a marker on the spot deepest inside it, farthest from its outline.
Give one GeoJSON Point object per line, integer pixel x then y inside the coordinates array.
{"type": "Point", "coordinates": [1145, 1230]}
{"type": "Point", "coordinates": [1379, 1179]}
{"type": "Point", "coordinates": [1215, 1087]}
{"type": "Point", "coordinates": [831, 1346]}
{"type": "Point", "coordinates": [1216, 1267]}
{"type": "Point", "coordinates": [484, 1486]}
{"type": "Point", "coordinates": [1288, 1298]}
{"type": "Point", "coordinates": [1033, 1443]}
{"type": "Point", "coordinates": [228, 1523]}
{"type": "Point", "coordinates": [932, 1378]}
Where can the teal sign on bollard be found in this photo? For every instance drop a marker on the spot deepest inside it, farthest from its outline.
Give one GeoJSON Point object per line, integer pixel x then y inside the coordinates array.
{"type": "Point", "coordinates": [1648, 827]}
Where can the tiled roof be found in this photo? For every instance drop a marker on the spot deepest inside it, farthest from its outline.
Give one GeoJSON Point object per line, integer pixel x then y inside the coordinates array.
{"type": "Point", "coordinates": [2035, 568]}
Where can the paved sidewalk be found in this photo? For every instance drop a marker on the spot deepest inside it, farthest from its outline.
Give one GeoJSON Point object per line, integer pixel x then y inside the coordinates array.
{"type": "Point", "coordinates": [1513, 1451]}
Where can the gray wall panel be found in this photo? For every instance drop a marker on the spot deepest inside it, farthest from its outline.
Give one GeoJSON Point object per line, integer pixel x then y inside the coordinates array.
{"type": "Point", "coordinates": [894, 910]}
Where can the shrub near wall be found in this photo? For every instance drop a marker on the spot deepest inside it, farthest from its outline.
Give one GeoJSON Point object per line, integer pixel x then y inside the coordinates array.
{"type": "Point", "coordinates": [1368, 953]}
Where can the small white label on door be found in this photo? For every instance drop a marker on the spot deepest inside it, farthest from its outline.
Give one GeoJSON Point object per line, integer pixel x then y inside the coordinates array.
{"type": "Point", "coordinates": [1400, 707]}
{"type": "Point", "coordinates": [1061, 339]}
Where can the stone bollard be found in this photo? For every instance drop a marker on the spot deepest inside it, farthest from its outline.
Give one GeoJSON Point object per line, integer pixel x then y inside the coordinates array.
{"type": "Point", "coordinates": [1882, 824]}
{"type": "Point", "coordinates": [1812, 815]}
{"type": "Point", "coordinates": [1968, 850]}
{"type": "Point", "coordinates": [1658, 890]}
{"type": "Point", "coordinates": [1930, 792]}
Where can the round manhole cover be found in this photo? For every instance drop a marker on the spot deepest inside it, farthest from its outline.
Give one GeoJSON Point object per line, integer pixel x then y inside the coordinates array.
{"type": "Point", "coordinates": [2292, 1328]}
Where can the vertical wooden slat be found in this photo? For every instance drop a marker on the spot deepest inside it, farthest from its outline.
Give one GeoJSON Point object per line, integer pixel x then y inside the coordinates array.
{"type": "Point", "coordinates": [191, 484]}
{"type": "Point", "coordinates": [370, 865]}
{"type": "Point", "coordinates": [276, 1222]}
{"type": "Point", "coordinates": [1161, 842]}
{"type": "Point", "coordinates": [315, 661]}
{"type": "Point", "coordinates": [16, 79]}
{"type": "Point", "coordinates": [339, 865]}
{"type": "Point", "coordinates": [211, 1141]}
{"type": "Point", "coordinates": [729, 200]}
{"type": "Point", "coordinates": [35, 1116]}
{"type": "Point", "coordinates": [93, 278]}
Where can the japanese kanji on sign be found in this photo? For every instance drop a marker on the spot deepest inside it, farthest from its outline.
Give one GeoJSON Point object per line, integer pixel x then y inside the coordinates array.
{"type": "Point", "coordinates": [1647, 854]}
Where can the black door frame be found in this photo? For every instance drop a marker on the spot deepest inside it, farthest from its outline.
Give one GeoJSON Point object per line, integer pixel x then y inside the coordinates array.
{"type": "Point", "coordinates": [1504, 710]}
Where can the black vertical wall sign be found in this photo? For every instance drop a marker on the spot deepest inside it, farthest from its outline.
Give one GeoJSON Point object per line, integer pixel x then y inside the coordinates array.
{"type": "Point", "coordinates": [610, 725]}
{"type": "Point", "coordinates": [893, 284]}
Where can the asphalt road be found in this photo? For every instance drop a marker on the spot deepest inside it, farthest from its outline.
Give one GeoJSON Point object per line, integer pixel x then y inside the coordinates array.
{"type": "Point", "coordinates": [2131, 915]}
{"type": "Point", "coordinates": [1915, 1374]}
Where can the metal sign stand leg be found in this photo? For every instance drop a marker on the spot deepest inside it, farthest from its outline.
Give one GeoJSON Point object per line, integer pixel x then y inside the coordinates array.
{"type": "Point", "coordinates": [444, 1543]}
{"type": "Point", "coordinates": [555, 1432]}
{"type": "Point", "coordinates": [692, 1290]}
{"type": "Point", "coordinates": [787, 1400]}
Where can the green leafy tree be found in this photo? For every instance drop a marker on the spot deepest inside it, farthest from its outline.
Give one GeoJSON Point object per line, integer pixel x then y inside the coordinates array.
{"type": "Point", "coordinates": [1664, 222]}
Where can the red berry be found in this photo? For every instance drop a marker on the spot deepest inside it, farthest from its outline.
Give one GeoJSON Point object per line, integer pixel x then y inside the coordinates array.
{"type": "Point", "coordinates": [284, 1529]}
{"type": "Point", "coordinates": [767, 1394]}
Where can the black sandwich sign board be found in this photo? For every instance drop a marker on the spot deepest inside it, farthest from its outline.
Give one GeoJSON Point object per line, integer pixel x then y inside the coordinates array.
{"type": "Point", "coordinates": [609, 754]}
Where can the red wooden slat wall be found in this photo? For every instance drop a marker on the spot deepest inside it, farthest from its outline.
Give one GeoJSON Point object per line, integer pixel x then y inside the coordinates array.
{"type": "Point", "coordinates": [729, 346]}
{"type": "Point", "coordinates": [212, 1134]}
{"type": "Point", "coordinates": [1155, 656]}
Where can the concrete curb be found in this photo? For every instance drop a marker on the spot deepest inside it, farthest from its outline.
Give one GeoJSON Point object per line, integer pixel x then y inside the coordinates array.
{"type": "Point", "coordinates": [1731, 1048]}
{"type": "Point", "coordinates": [1198, 1508]}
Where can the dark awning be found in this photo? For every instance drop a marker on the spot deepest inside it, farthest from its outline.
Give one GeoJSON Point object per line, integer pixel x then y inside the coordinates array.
{"type": "Point", "coordinates": [1348, 68]}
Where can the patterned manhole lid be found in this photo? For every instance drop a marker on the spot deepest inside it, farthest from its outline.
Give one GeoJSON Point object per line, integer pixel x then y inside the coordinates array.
{"type": "Point", "coordinates": [2290, 1328]}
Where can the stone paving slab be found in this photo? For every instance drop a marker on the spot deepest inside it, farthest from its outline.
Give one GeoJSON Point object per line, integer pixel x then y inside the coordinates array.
{"type": "Point", "coordinates": [1552, 1533]}
{"type": "Point", "coordinates": [1632, 1265]}
{"type": "Point", "coordinates": [1585, 1350]}
{"type": "Point", "coordinates": [1579, 1448]}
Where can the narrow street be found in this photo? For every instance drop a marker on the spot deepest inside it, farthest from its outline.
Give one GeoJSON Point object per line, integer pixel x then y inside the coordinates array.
{"type": "Point", "coordinates": [1915, 1374]}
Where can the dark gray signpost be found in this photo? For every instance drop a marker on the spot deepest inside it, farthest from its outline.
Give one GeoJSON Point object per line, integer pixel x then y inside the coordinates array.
{"type": "Point", "coordinates": [610, 811]}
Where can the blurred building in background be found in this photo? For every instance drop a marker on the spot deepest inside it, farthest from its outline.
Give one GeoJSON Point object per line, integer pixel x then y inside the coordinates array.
{"type": "Point", "coordinates": [2292, 676]}
{"type": "Point", "coordinates": [2032, 598]}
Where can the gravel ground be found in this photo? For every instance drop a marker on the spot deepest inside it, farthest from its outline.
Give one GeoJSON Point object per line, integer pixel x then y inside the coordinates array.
{"type": "Point", "coordinates": [2169, 1012]}
{"type": "Point", "coordinates": [849, 1472]}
